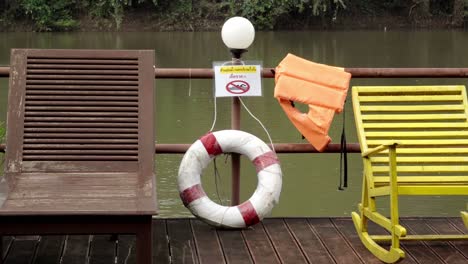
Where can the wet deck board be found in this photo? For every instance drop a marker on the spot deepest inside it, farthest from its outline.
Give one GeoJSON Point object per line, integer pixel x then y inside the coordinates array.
{"type": "Point", "coordinates": [275, 240]}
{"type": "Point", "coordinates": [259, 245]}
{"type": "Point", "coordinates": [49, 249]}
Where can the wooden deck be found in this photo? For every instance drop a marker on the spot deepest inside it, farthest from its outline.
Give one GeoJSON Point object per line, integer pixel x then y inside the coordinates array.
{"type": "Point", "coordinates": [276, 240]}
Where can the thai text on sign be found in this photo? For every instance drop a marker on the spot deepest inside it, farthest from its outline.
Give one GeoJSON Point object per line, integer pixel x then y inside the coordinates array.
{"type": "Point", "coordinates": [237, 80]}
{"type": "Point", "coordinates": [238, 69]}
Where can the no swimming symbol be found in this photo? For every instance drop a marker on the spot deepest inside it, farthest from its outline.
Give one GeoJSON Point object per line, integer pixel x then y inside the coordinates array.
{"type": "Point", "coordinates": [238, 87]}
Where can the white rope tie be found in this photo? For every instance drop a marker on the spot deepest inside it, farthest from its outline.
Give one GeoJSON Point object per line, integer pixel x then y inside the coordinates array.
{"type": "Point", "coordinates": [261, 124]}
{"type": "Point", "coordinates": [190, 82]}
{"type": "Point", "coordinates": [215, 114]}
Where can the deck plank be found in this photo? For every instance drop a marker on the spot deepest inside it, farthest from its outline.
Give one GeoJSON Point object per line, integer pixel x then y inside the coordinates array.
{"type": "Point", "coordinates": [182, 246]}
{"type": "Point", "coordinates": [460, 226]}
{"type": "Point", "coordinates": [283, 241]}
{"type": "Point", "coordinates": [6, 243]}
{"type": "Point", "coordinates": [419, 250]}
{"type": "Point", "coordinates": [21, 251]}
{"type": "Point", "coordinates": [444, 226]}
{"type": "Point", "coordinates": [334, 242]}
{"type": "Point", "coordinates": [374, 229]}
{"type": "Point", "coordinates": [76, 249]}
{"type": "Point", "coordinates": [313, 248]}
{"type": "Point", "coordinates": [443, 249]}
{"type": "Point", "coordinates": [207, 242]}
{"type": "Point", "coordinates": [160, 242]}
{"type": "Point", "coordinates": [126, 249]}
{"type": "Point", "coordinates": [49, 250]}
{"type": "Point", "coordinates": [103, 249]}
{"type": "Point", "coordinates": [234, 247]}
{"type": "Point", "coordinates": [346, 228]}
{"type": "Point", "coordinates": [259, 245]}
{"type": "Point", "coordinates": [458, 223]}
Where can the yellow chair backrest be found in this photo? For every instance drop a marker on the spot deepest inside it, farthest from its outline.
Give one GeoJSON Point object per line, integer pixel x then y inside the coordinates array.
{"type": "Point", "coordinates": [430, 126]}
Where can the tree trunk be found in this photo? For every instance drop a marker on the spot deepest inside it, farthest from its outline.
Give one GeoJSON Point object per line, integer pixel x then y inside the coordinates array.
{"type": "Point", "coordinates": [420, 11]}
{"type": "Point", "coordinates": [458, 12]}
{"type": "Point", "coordinates": [425, 7]}
{"type": "Point", "coordinates": [422, 8]}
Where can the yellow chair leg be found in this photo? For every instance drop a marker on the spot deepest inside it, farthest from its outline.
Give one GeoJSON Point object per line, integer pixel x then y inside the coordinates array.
{"type": "Point", "coordinates": [387, 256]}
{"type": "Point", "coordinates": [464, 216]}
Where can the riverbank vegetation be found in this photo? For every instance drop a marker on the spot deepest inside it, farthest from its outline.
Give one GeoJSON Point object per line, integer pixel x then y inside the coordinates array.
{"type": "Point", "coordinates": [2, 132]}
{"type": "Point", "coordinates": [2, 139]}
{"type": "Point", "coordinates": [190, 15]}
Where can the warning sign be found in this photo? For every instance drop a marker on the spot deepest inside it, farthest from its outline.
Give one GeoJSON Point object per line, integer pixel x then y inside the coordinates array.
{"type": "Point", "coordinates": [238, 87]}
{"type": "Point", "coordinates": [237, 80]}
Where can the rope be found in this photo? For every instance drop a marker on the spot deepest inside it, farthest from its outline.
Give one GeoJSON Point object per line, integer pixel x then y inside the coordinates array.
{"type": "Point", "coordinates": [343, 157]}
{"type": "Point", "coordinates": [190, 69]}
{"type": "Point", "coordinates": [217, 177]}
{"type": "Point", "coordinates": [261, 124]}
{"type": "Point", "coordinates": [190, 82]}
{"type": "Point", "coordinates": [215, 114]}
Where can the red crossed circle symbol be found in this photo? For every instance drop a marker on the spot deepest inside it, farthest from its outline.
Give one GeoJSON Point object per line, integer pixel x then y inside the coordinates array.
{"type": "Point", "coordinates": [238, 87]}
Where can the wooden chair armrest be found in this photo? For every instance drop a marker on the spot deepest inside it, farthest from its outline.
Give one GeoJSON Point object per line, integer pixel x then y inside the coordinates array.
{"type": "Point", "coordinates": [380, 148]}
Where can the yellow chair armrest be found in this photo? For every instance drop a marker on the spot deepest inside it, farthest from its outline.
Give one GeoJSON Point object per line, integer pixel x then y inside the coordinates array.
{"type": "Point", "coordinates": [380, 148]}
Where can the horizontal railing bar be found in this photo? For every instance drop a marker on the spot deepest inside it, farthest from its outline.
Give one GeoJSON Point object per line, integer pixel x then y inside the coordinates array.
{"type": "Point", "coordinates": [207, 73]}
{"type": "Point", "coordinates": [280, 148]}
{"type": "Point", "coordinates": [197, 73]}
{"type": "Point", "coordinates": [4, 71]}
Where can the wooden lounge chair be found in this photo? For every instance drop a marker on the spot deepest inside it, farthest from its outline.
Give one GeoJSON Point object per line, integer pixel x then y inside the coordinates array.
{"type": "Point", "coordinates": [80, 144]}
{"type": "Point", "coordinates": [414, 141]}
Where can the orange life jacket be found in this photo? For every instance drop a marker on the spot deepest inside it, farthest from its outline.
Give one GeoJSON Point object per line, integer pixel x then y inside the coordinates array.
{"type": "Point", "coordinates": [322, 87]}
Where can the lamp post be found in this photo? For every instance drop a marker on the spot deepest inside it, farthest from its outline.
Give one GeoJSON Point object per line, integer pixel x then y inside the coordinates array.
{"type": "Point", "coordinates": [237, 34]}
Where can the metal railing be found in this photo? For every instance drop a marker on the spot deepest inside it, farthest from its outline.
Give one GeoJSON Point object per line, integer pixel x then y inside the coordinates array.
{"type": "Point", "coordinates": [206, 73]}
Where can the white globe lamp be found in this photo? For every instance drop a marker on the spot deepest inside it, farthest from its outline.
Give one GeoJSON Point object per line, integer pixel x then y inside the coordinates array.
{"type": "Point", "coordinates": [238, 34]}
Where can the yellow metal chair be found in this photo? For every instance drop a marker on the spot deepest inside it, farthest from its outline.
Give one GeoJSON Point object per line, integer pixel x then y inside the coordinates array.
{"type": "Point", "coordinates": [414, 141]}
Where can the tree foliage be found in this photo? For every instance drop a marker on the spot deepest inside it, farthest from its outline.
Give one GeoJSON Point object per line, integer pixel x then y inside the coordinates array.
{"type": "Point", "coordinates": [2, 139]}
{"type": "Point", "coordinates": [2, 132]}
{"type": "Point", "coordinates": [265, 14]}
{"type": "Point", "coordinates": [56, 15]}
{"type": "Point", "coordinates": [50, 15]}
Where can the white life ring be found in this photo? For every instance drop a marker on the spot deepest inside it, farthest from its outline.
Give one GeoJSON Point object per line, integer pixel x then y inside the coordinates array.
{"type": "Point", "coordinates": [200, 154]}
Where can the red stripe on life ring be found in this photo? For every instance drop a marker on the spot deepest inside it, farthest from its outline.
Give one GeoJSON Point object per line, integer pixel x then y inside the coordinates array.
{"type": "Point", "coordinates": [265, 160]}
{"type": "Point", "coordinates": [191, 194]}
{"type": "Point", "coordinates": [248, 213]}
{"type": "Point", "coordinates": [211, 144]}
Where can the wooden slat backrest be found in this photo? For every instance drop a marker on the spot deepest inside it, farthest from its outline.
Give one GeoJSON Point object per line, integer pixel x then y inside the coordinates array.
{"type": "Point", "coordinates": [80, 111]}
{"type": "Point", "coordinates": [430, 124]}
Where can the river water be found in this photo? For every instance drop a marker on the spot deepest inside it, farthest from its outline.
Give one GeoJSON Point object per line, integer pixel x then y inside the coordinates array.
{"type": "Point", "coordinates": [185, 108]}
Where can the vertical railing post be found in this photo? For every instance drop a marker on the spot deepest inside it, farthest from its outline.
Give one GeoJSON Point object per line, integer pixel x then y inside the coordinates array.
{"type": "Point", "coordinates": [235, 158]}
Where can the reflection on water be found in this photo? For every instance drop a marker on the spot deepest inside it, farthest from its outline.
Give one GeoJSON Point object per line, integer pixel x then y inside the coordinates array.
{"type": "Point", "coordinates": [184, 108]}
